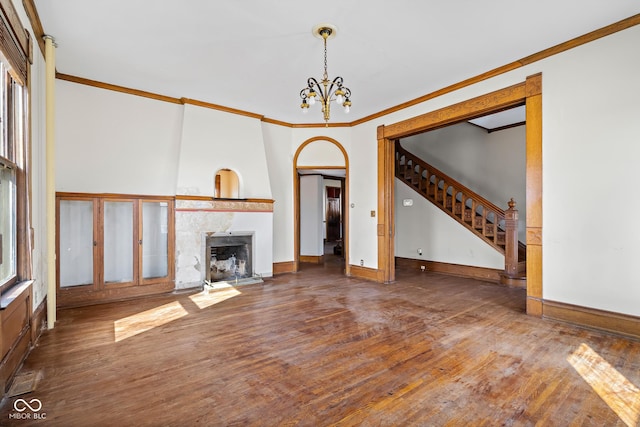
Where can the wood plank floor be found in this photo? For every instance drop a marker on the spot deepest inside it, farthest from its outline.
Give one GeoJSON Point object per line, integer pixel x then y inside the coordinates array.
{"type": "Point", "coordinates": [316, 349]}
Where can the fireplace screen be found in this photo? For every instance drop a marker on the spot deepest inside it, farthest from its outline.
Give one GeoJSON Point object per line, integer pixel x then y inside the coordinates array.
{"type": "Point", "coordinates": [228, 257]}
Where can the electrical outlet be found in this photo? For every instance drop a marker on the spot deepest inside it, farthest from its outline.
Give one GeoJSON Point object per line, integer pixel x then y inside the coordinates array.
{"type": "Point", "coordinates": [361, 263]}
{"type": "Point", "coordinates": [423, 268]}
{"type": "Point", "coordinates": [420, 251]}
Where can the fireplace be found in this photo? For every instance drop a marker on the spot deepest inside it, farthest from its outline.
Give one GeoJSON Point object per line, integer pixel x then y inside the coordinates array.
{"type": "Point", "coordinates": [228, 257]}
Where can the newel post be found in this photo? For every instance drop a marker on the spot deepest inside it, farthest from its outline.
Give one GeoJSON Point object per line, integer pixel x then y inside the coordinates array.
{"type": "Point", "coordinates": [511, 240]}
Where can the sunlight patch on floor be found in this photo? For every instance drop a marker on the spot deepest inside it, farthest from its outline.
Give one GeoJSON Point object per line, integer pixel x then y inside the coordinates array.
{"type": "Point", "coordinates": [206, 299]}
{"type": "Point", "coordinates": [133, 325]}
{"type": "Point", "coordinates": [618, 392]}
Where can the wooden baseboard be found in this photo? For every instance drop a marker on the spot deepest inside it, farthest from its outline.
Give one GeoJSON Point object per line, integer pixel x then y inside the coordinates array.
{"type": "Point", "coordinates": [284, 267]}
{"type": "Point", "coordinates": [363, 272]}
{"type": "Point", "coordinates": [617, 323]}
{"type": "Point", "coordinates": [312, 259]}
{"type": "Point", "coordinates": [480, 273]}
{"type": "Point", "coordinates": [76, 298]}
{"type": "Point", "coordinates": [38, 321]}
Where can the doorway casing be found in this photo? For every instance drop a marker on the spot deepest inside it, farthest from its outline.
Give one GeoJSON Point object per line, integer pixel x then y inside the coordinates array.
{"type": "Point", "coordinates": [528, 93]}
{"type": "Point", "coordinates": [296, 199]}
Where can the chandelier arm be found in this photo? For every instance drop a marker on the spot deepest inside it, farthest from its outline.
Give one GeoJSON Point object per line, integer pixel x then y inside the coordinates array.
{"type": "Point", "coordinates": [336, 82]}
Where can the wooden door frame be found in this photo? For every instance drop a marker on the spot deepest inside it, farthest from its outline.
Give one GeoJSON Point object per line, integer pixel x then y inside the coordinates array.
{"type": "Point", "coordinates": [528, 93]}
{"type": "Point", "coordinates": [340, 204]}
{"type": "Point", "coordinates": [296, 200]}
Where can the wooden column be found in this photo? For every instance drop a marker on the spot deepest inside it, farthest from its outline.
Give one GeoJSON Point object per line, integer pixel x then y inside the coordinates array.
{"type": "Point", "coordinates": [386, 200]}
{"type": "Point", "coordinates": [511, 240]}
{"type": "Point", "coordinates": [534, 194]}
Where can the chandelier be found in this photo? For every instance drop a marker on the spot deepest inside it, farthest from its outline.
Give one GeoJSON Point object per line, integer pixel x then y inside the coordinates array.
{"type": "Point", "coordinates": [326, 90]}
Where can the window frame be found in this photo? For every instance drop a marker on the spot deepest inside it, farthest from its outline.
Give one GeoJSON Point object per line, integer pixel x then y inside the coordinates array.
{"type": "Point", "coordinates": [15, 154]}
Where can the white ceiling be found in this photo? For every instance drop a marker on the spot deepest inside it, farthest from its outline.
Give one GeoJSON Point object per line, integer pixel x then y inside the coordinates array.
{"type": "Point", "coordinates": [256, 55]}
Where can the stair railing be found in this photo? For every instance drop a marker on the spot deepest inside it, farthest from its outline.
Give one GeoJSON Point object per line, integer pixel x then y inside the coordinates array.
{"type": "Point", "coordinates": [492, 224]}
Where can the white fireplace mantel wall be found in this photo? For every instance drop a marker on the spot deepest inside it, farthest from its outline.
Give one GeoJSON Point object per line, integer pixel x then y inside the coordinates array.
{"type": "Point", "coordinates": [194, 217]}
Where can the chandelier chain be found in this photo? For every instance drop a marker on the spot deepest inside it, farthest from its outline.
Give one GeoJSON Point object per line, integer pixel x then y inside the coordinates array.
{"type": "Point", "coordinates": [325, 76]}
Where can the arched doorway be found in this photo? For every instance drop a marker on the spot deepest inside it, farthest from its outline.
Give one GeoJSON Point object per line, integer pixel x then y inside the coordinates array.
{"type": "Point", "coordinates": [320, 153]}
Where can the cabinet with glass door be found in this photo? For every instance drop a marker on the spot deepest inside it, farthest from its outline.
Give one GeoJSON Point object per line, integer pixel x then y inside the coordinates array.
{"type": "Point", "coordinates": [113, 247]}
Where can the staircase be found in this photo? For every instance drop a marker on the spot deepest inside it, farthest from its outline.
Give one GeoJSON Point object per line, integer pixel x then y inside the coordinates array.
{"type": "Point", "coordinates": [497, 227]}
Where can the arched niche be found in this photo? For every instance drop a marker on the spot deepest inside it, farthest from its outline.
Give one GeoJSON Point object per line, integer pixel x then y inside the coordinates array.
{"type": "Point", "coordinates": [226, 184]}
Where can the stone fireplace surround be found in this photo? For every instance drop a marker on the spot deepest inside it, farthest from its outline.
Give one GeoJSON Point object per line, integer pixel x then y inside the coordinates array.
{"type": "Point", "coordinates": [198, 217]}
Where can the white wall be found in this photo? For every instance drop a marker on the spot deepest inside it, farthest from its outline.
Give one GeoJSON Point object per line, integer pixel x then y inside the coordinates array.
{"type": "Point", "coordinates": [590, 151]}
{"type": "Point", "coordinates": [213, 140]}
{"type": "Point", "coordinates": [279, 154]}
{"type": "Point", "coordinates": [111, 142]}
{"type": "Point", "coordinates": [311, 226]}
{"type": "Point", "coordinates": [441, 238]}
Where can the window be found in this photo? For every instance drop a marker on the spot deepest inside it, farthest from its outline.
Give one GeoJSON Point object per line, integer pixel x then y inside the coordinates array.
{"type": "Point", "coordinates": [12, 195]}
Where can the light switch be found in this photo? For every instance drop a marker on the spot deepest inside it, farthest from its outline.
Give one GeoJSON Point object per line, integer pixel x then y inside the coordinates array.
{"type": "Point", "coordinates": [373, 214]}
{"type": "Point", "coordinates": [407, 202]}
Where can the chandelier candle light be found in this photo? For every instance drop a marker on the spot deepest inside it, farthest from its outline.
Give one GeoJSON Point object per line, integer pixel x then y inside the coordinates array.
{"type": "Point", "coordinates": [325, 91]}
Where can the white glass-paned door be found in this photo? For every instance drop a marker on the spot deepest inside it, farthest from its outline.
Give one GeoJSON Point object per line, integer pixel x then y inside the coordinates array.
{"type": "Point", "coordinates": [118, 242]}
{"type": "Point", "coordinates": [155, 250]}
{"type": "Point", "coordinates": [76, 243]}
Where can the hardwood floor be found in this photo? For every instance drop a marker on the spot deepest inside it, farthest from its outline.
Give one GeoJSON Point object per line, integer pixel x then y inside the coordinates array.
{"type": "Point", "coordinates": [316, 348]}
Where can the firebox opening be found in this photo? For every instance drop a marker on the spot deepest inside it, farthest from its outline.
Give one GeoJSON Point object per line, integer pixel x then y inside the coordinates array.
{"type": "Point", "coordinates": [228, 257]}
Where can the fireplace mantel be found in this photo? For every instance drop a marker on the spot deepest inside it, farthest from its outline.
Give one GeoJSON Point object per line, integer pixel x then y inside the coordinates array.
{"type": "Point", "coordinates": [204, 203]}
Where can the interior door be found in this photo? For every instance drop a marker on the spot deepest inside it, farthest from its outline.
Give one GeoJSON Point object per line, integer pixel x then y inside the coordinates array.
{"type": "Point", "coordinates": [334, 217]}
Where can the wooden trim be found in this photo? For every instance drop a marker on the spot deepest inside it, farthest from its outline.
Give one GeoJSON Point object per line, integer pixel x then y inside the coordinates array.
{"type": "Point", "coordinates": [15, 330]}
{"type": "Point", "coordinates": [386, 209]}
{"type": "Point", "coordinates": [209, 199]}
{"type": "Point", "coordinates": [318, 167]}
{"type": "Point", "coordinates": [296, 199]}
{"type": "Point", "coordinates": [505, 127]}
{"type": "Point", "coordinates": [36, 24]}
{"type": "Point", "coordinates": [312, 259]}
{"type": "Point", "coordinates": [73, 195]}
{"type": "Point", "coordinates": [534, 194]}
{"type": "Point", "coordinates": [498, 100]}
{"type": "Point", "coordinates": [283, 267]}
{"type": "Point", "coordinates": [78, 298]}
{"type": "Point", "coordinates": [365, 273]}
{"type": "Point", "coordinates": [221, 108]}
{"type": "Point", "coordinates": [277, 122]}
{"type": "Point", "coordinates": [39, 321]}
{"type": "Point", "coordinates": [116, 88]}
{"type": "Point", "coordinates": [472, 272]}
{"type": "Point", "coordinates": [617, 323]}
